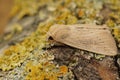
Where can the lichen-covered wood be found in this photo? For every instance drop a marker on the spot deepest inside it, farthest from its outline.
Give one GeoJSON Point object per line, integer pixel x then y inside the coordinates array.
{"type": "Point", "coordinates": [27, 54]}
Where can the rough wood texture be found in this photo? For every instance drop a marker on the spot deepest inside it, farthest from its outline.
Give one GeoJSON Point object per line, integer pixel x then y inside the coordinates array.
{"type": "Point", "coordinates": [27, 54]}
{"type": "Point", "coordinates": [85, 68]}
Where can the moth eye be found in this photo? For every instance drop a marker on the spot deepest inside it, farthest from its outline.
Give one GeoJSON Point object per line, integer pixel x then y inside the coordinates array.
{"type": "Point", "coordinates": [50, 38]}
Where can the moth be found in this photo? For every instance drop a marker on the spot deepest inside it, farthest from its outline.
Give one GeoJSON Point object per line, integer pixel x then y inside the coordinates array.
{"type": "Point", "coordinates": [89, 37]}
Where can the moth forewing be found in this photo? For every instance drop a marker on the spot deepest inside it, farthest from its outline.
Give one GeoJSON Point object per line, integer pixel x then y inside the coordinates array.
{"type": "Point", "coordinates": [97, 39]}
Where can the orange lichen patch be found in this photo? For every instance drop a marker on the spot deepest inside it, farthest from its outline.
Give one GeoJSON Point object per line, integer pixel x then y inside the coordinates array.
{"type": "Point", "coordinates": [81, 13]}
{"type": "Point", "coordinates": [63, 69]}
{"type": "Point", "coordinates": [43, 71]}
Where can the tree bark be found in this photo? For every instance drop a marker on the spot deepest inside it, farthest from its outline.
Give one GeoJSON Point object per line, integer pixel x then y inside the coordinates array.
{"type": "Point", "coordinates": [84, 65]}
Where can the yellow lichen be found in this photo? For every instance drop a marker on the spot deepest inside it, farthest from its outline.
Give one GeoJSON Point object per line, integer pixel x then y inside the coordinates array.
{"type": "Point", "coordinates": [17, 28]}
{"type": "Point", "coordinates": [38, 66]}
{"type": "Point", "coordinates": [15, 55]}
{"type": "Point", "coordinates": [44, 71]}
{"type": "Point", "coordinates": [26, 7]}
{"type": "Point", "coordinates": [110, 23]}
{"type": "Point", "coordinates": [12, 57]}
{"type": "Point", "coordinates": [66, 18]}
{"type": "Point", "coordinates": [116, 32]}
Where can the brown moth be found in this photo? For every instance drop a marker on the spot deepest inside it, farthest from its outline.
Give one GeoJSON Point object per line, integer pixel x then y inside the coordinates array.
{"type": "Point", "coordinates": [89, 37]}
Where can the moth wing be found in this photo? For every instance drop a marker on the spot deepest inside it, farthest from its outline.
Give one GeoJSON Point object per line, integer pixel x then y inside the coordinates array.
{"type": "Point", "coordinates": [95, 40]}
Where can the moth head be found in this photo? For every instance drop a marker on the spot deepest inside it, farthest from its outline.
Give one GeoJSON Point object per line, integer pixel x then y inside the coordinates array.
{"type": "Point", "coordinates": [52, 31]}
{"type": "Point", "coordinates": [57, 31]}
